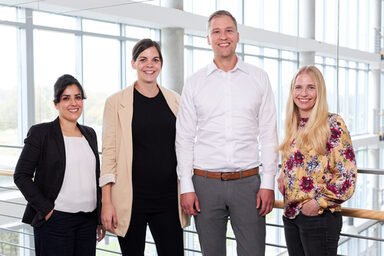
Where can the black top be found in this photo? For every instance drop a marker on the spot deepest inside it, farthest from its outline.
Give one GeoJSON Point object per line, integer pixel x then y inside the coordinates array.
{"type": "Point", "coordinates": [154, 158]}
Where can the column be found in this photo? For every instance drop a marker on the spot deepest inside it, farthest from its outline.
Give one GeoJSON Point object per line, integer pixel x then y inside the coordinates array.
{"type": "Point", "coordinates": [172, 47]}
{"type": "Point", "coordinates": [307, 29]}
{"type": "Point", "coordinates": [27, 91]}
{"type": "Point", "coordinates": [375, 74]}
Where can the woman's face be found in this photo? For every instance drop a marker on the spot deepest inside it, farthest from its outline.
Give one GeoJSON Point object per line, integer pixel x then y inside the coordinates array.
{"type": "Point", "coordinates": [148, 65]}
{"type": "Point", "coordinates": [70, 106]}
{"type": "Point", "coordinates": [304, 94]}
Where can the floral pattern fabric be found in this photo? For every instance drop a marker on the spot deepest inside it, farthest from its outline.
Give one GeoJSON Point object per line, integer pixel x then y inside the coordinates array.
{"type": "Point", "coordinates": [329, 179]}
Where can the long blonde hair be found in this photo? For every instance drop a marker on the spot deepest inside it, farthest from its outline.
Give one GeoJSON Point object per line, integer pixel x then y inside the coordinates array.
{"type": "Point", "coordinates": [316, 132]}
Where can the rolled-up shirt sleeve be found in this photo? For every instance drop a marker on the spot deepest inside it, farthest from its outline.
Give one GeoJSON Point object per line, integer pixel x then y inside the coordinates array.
{"type": "Point", "coordinates": [186, 126]}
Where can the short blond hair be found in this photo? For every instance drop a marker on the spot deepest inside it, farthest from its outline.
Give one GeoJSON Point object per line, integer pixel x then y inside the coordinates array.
{"type": "Point", "coordinates": [220, 13]}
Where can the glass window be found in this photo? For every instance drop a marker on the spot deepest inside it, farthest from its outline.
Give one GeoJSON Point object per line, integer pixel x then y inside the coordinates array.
{"type": "Point", "coordinates": [54, 55]}
{"type": "Point", "coordinates": [271, 52]}
{"type": "Point", "coordinates": [202, 7]}
{"type": "Point", "coordinates": [271, 20]}
{"type": "Point", "coordinates": [141, 32]}
{"type": "Point", "coordinates": [363, 33]}
{"type": "Point", "coordinates": [329, 74]}
{"type": "Point", "coordinates": [271, 66]}
{"type": "Point", "coordinates": [8, 161]}
{"type": "Point", "coordinates": [343, 95]}
{"type": "Point", "coordinates": [355, 30]}
{"type": "Point", "coordinates": [288, 70]}
{"type": "Point", "coordinates": [326, 21]}
{"type": "Point", "coordinates": [101, 69]}
{"type": "Point", "coordinates": [201, 58]}
{"type": "Point", "coordinates": [9, 92]}
{"type": "Point", "coordinates": [257, 61]}
{"type": "Point", "coordinates": [152, 2]}
{"type": "Point", "coordinates": [330, 22]}
{"type": "Point", "coordinates": [254, 13]}
{"type": "Point", "coordinates": [288, 17]}
{"type": "Point", "coordinates": [352, 100]}
{"type": "Point", "coordinates": [251, 49]}
{"type": "Point", "coordinates": [288, 55]}
{"type": "Point", "coordinates": [202, 42]}
{"type": "Point", "coordinates": [362, 102]}
{"type": "Point", "coordinates": [131, 74]}
{"type": "Point", "coordinates": [265, 15]}
{"type": "Point", "coordinates": [54, 20]}
{"type": "Point", "coordinates": [235, 7]}
{"type": "Point", "coordinates": [101, 27]}
{"type": "Point", "coordinates": [10, 14]}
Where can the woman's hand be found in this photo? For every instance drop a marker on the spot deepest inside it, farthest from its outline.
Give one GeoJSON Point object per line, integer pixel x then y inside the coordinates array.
{"type": "Point", "coordinates": [310, 208]}
{"type": "Point", "coordinates": [280, 183]}
{"type": "Point", "coordinates": [108, 216]}
{"type": "Point", "coordinates": [48, 215]}
{"type": "Point", "coordinates": [100, 232]}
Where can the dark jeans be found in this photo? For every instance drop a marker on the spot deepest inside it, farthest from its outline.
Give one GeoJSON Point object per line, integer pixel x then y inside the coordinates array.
{"type": "Point", "coordinates": [67, 234]}
{"type": "Point", "coordinates": [166, 232]}
{"type": "Point", "coordinates": [313, 235]}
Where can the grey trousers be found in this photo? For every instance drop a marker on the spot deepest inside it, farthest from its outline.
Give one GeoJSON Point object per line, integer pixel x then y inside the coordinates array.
{"type": "Point", "coordinates": [235, 198]}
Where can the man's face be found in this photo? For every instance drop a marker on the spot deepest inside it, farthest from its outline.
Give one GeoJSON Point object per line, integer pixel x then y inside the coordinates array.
{"type": "Point", "coordinates": [223, 37]}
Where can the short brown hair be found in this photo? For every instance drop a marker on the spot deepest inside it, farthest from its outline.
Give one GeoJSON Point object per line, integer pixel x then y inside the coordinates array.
{"type": "Point", "coordinates": [220, 13]}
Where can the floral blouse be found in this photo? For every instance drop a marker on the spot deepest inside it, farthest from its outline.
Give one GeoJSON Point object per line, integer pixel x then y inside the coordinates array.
{"type": "Point", "coordinates": [329, 179]}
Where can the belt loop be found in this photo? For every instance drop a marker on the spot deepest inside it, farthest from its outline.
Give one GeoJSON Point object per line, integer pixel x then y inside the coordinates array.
{"type": "Point", "coordinates": [205, 173]}
{"type": "Point", "coordinates": [241, 174]}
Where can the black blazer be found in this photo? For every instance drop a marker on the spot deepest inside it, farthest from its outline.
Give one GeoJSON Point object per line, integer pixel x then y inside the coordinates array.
{"type": "Point", "coordinates": [40, 169]}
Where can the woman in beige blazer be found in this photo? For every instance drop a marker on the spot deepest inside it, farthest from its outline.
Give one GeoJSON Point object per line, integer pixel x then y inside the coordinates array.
{"type": "Point", "coordinates": [138, 173]}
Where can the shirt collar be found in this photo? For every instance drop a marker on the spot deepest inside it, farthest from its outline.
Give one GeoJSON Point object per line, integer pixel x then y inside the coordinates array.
{"type": "Point", "coordinates": [240, 65]}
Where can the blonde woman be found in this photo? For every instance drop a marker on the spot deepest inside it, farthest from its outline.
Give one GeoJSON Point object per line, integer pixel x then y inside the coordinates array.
{"type": "Point", "coordinates": [318, 168]}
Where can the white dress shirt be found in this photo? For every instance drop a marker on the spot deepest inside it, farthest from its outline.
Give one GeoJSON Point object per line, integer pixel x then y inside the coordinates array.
{"type": "Point", "coordinates": [225, 120]}
{"type": "Point", "coordinates": [78, 191]}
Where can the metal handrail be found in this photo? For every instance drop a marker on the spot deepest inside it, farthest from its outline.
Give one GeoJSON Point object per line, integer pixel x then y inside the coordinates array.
{"type": "Point", "coordinates": [351, 212]}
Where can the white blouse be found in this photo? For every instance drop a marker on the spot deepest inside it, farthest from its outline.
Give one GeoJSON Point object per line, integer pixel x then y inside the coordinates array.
{"type": "Point", "coordinates": [78, 192]}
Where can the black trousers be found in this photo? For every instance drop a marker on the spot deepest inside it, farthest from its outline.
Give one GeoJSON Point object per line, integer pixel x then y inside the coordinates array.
{"type": "Point", "coordinates": [166, 232]}
{"type": "Point", "coordinates": [313, 235]}
{"type": "Point", "coordinates": [67, 234]}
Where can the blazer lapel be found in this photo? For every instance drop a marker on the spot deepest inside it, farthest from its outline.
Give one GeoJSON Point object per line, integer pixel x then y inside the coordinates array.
{"type": "Point", "coordinates": [170, 99]}
{"type": "Point", "coordinates": [125, 114]}
{"type": "Point", "coordinates": [58, 137]}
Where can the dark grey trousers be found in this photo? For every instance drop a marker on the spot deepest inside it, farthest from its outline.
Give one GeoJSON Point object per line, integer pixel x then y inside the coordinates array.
{"type": "Point", "coordinates": [237, 199]}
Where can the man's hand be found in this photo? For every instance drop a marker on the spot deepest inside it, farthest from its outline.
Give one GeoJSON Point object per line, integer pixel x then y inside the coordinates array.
{"type": "Point", "coordinates": [310, 208]}
{"type": "Point", "coordinates": [265, 199]}
{"type": "Point", "coordinates": [280, 183]}
{"type": "Point", "coordinates": [190, 203]}
{"type": "Point", "coordinates": [108, 216]}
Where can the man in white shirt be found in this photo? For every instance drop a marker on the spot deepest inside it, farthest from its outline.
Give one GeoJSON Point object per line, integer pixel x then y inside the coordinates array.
{"type": "Point", "coordinates": [226, 117]}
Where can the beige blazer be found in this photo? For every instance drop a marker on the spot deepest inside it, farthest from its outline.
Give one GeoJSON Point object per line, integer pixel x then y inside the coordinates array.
{"type": "Point", "coordinates": [117, 153]}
